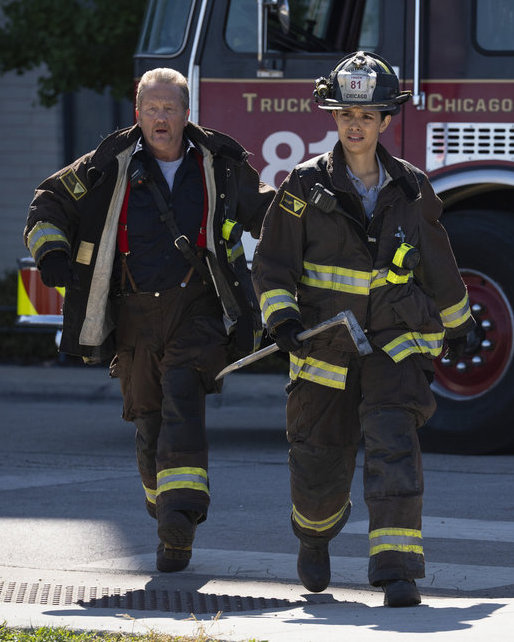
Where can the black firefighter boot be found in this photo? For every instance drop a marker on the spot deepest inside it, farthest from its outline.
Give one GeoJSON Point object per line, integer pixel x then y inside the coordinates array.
{"type": "Point", "coordinates": [172, 559]}
{"type": "Point", "coordinates": [401, 593]}
{"type": "Point", "coordinates": [314, 565]}
{"type": "Point", "coordinates": [176, 530]}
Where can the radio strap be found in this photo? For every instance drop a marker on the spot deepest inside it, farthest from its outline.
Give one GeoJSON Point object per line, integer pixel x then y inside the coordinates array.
{"type": "Point", "coordinates": [180, 240]}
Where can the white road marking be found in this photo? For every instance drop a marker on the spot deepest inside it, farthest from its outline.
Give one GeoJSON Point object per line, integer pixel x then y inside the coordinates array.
{"type": "Point", "coordinates": [452, 528]}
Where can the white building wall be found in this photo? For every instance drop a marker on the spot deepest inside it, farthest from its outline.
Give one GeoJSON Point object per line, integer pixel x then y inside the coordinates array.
{"type": "Point", "coordinates": [32, 148]}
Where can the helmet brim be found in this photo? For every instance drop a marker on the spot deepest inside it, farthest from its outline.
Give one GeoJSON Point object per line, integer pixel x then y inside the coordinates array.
{"type": "Point", "coordinates": [334, 106]}
{"type": "Point", "coordinates": [393, 106]}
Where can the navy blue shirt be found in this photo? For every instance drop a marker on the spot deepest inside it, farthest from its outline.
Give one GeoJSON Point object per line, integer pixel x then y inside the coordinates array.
{"type": "Point", "coordinates": [154, 261]}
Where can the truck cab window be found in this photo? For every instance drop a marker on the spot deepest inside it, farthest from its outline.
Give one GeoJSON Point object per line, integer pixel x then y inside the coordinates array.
{"type": "Point", "coordinates": [316, 26]}
{"type": "Point", "coordinates": [495, 25]}
{"type": "Point", "coordinates": [166, 27]}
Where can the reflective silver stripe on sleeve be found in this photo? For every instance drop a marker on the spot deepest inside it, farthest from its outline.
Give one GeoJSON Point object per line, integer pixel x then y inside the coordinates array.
{"type": "Point", "coordinates": [274, 300]}
{"type": "Point", "coordinates": [318, 371]}
{"type": "Point", "coordinates": [415, 343]}
{"type": "Point", "coordinates": [457, 314]}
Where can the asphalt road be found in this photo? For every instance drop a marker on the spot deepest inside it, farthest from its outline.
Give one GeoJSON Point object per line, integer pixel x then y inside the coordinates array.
{"type": "Point", "coordinates": [78, 549]}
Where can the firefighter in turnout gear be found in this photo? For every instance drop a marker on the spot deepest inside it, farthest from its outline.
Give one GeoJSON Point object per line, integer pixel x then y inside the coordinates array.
{"type": "Point", "coordinates": [144, 232]}
{"type": "Point", "coordinates": [358, 229]}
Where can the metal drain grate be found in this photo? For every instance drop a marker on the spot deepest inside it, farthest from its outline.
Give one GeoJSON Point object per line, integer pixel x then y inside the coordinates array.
{"type": "Point", "coordinates": [138, 599]}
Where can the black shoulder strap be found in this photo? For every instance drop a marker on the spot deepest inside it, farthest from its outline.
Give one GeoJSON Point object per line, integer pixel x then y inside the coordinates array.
{"type": "Point", "coordinates": [139, 176]}
{"type": "Point", "coordinates": [180, 240]}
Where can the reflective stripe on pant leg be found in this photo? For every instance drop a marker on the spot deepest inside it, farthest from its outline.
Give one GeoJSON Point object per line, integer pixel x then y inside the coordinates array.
{"type": "Point", "coordinates": [396, 553]}
{"type": "Point", "coordinates": [194, 351]}
{"type": "Point", "coordinates": [323, 431]}
{"type": "Point", "coordinates": [402, 540]}
{"type": "Point", "coordinates": [182, 479]}
{"type": "Point", "coordinates": [393, 490]}
{"type": "Point", "coordinates": [396, 400]}
{"type": "Point", "coordinates": [306, 529]}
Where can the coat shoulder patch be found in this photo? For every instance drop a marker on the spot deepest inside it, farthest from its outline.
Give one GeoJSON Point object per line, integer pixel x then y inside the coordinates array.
{"type": "Point", "coordinates": [292, 204]}
{"type": "Point", "coordinates": [73, 184]}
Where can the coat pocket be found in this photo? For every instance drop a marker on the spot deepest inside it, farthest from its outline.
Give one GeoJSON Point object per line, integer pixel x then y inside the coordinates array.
{"type": "Point", "coordinates": [416, 311]}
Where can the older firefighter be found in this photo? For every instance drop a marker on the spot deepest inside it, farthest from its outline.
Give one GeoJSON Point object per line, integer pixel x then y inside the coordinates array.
{"type": "Point", "coordinates": [144, 233]}
{"type": "Point", "coordinates": [358, 229]}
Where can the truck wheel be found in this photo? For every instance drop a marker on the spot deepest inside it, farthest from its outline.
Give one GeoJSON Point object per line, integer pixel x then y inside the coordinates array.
{"type": "Point", "coordinates": [475, 397]}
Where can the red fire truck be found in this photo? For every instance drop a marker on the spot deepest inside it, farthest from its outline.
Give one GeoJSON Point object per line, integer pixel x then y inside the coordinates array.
{"type": "Point", "coordinates": [251, 66]}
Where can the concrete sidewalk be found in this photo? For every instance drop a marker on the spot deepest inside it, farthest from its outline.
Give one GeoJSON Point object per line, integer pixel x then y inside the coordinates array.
{"type": "Point", "coordinates": [241, 596]}
{"type": "Point", "coordinates": [227, 594]}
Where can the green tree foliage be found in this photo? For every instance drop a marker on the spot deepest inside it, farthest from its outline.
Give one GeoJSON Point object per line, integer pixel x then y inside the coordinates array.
{"type": "Point", "coordinates": [82, 43]}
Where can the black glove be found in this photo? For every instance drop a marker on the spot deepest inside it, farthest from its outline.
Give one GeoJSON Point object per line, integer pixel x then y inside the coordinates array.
{"type": "Point", "coordinates": [456, 348]}
{"type": "Point", "coordinates": [464, 346]}
{"type": "Point", "coordinates": [55, 269]}
{"type": "Point", "coordinates": [285, 335]}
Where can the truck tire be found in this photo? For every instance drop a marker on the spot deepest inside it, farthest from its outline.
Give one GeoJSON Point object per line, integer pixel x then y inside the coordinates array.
{"type": "Point", "coordinates": [475, 397]}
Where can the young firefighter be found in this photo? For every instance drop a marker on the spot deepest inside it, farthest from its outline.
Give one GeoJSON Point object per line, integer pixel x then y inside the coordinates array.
{"type": "Point", "coordinates": [358, 229]}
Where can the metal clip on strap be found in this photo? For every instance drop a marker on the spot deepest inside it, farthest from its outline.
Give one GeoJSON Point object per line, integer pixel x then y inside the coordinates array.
{"type": "Point", "coordinates": [181, 241]}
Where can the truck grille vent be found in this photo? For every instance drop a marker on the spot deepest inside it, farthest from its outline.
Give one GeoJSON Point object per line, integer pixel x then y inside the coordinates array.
{"type": "Point", "coordinates": [452, 143]}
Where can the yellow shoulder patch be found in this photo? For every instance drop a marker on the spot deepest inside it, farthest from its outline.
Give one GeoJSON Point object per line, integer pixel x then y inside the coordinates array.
{"type": "Point", "coordinates": [292, 204]}
{"type": "Point", "coordinates": [73, 184]}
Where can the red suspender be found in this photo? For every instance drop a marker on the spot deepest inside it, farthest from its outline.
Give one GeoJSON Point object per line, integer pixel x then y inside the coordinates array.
{"type": "Point", "coordinates": [123, 245]}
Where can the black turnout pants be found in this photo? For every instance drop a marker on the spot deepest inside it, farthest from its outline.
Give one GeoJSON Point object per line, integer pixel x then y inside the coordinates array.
{"type": "Point", "coordinates": [170, 346]}
{"type": "Point", "coordinates": [385, 403]}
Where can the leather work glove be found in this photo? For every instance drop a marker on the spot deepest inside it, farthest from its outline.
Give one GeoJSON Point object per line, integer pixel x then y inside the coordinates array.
{"type": "Point", "coordinates": [464, 346]}
{"type": "Point", "coordinates": [285, 335]}
{"type": "Point", "coordinates": [55, 269]}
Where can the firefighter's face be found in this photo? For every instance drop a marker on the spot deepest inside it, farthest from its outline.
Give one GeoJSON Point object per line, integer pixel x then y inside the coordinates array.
{"type": "Point", "coordinates": [162, 119]}
{"type": "Point", "coordinates": [359, 129]}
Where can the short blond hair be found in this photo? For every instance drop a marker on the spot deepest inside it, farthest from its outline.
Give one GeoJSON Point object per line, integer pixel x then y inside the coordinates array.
{"type": "Point", "coordinates": [164, 75]}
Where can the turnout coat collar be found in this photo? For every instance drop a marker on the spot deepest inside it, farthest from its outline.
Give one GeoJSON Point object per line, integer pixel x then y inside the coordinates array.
{"type": "Point", "coordinates": [216, 142]}
{"type": "Point", "coordinates": [401, 172]}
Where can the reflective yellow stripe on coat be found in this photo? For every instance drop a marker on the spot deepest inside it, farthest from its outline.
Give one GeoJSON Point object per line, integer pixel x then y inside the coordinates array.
{"type": "Point", "coordinates": [401, 540]}
{"type": "Point", "coordinates": [275, 300]}
{"type": "Point", "coordinates": [414, 343]}
{"type": "Point", "coordinates": [457, 314]}
{"type": "Point", "coordinates": [179, 478]}
{"type": "Point", "coordinates": [331, 277]}
{"type": "Point", "coordinates": [45, 237]}
{"type": "Point", "coordinates": [317, 371]}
